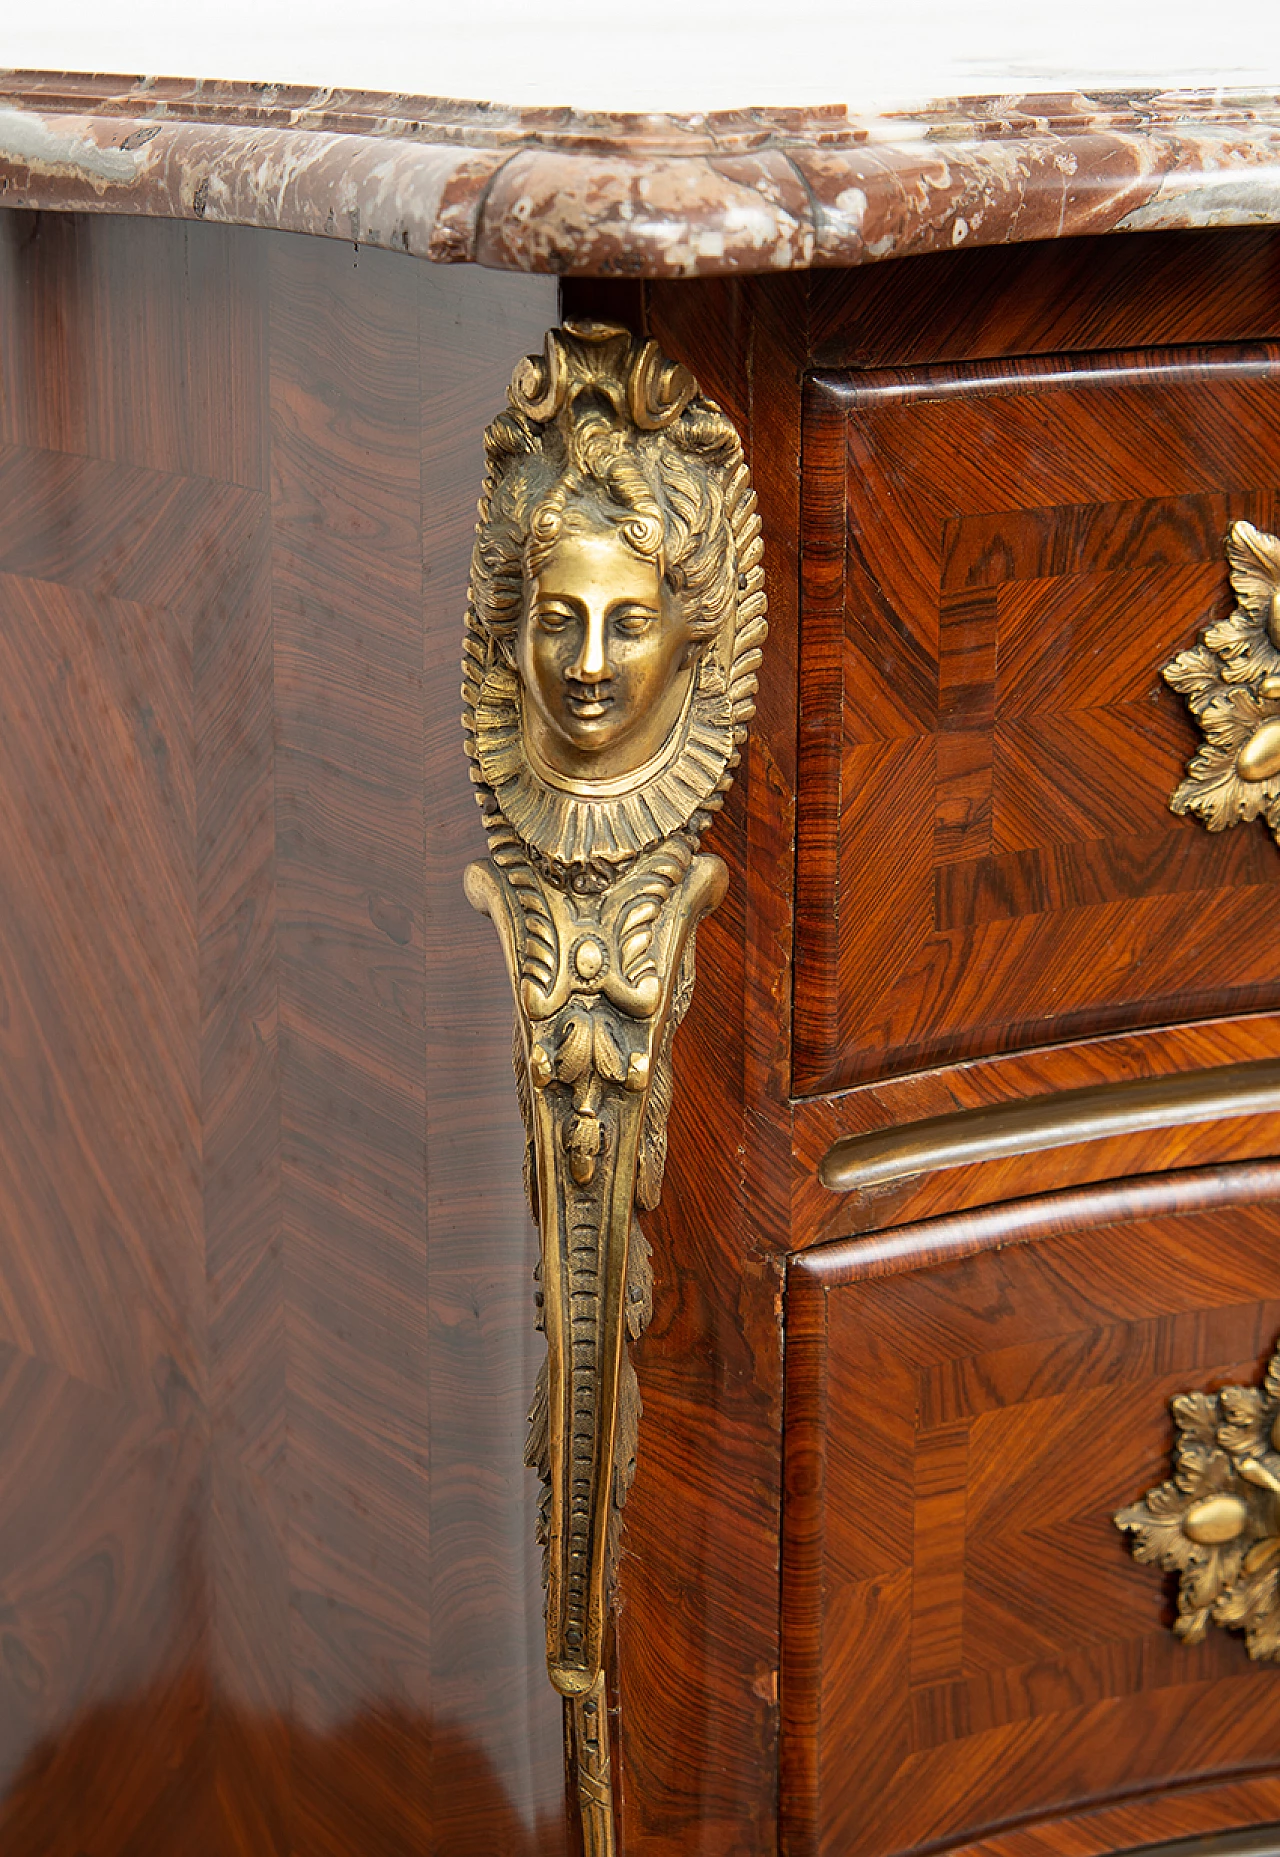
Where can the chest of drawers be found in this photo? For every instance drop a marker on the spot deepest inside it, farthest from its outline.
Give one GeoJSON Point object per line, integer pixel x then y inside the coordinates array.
{"type": "Point", "coordinates": [972, 1156]}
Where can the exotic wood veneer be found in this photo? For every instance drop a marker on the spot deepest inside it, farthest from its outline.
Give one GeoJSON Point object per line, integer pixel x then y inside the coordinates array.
{"type": "Point", "coordinates": [971, 1119]}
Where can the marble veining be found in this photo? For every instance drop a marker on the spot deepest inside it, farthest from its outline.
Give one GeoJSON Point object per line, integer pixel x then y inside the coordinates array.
{"type": "Point", "coordinates": [640, 195]}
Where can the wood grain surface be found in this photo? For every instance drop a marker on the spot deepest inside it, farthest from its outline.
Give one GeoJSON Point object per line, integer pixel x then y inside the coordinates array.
{"type": "Point", "coordinates": [968, 1644]}
{"type": "Point", "coordinates": [267, 1576]}
{"type": "Point", "coordinates": [268, 1582]}
{"type": "Point", "coordinates": [698, 1630]}
{"type": "Point", "coordinates": [1052, 297]}
{"type": "Point", "coordinates": [698, 1586]}
{"type": "Point", "coordinates": [1179, 1818]}
{"type": "Point", "coordinates": [1000, 559]}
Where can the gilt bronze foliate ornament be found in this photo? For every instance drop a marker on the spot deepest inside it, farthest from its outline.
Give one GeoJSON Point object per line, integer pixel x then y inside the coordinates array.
{"type": "Point", "coordinates": [1217, 1523]}
{"type": "Point", "coordinates": [1231, 681]}
{"type": "Point", "coordinates": [613, 637]}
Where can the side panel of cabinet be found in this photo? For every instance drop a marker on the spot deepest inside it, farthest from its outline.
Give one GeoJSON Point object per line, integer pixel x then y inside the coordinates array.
{"type": "Point", "coordinates": [267, 1573]}
{"type": "Point", "coordinates": [967, 1641]}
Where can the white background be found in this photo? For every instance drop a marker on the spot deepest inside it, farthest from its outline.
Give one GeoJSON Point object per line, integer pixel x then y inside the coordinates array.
{"type": "Point", "coordinates": [657, 54]}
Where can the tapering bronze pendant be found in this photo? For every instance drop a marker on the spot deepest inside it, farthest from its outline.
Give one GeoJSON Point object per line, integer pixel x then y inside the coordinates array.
{"type": "Point", "coordinates": [613, 637]}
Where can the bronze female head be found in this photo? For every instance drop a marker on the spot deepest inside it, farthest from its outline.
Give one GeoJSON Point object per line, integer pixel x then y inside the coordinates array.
{"type": "Point", "coordinates": [616, 601]}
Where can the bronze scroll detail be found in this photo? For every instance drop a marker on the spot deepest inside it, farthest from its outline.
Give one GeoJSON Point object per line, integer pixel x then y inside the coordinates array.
{"type": "Point", "coordinates": [613, 636]}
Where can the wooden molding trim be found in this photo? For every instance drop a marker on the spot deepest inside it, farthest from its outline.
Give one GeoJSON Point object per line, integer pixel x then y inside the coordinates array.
{"type": "Point", "coordinates": [1180, 1821]}
{"type": "Point", "coordinates": [1024, 1221]}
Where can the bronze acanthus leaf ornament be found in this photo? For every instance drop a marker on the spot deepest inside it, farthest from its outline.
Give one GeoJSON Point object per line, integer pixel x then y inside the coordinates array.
{"type": "Point", "coordinates": [1231, 681]}
{"type": "Point", "coordinates": [613, 636]}
{"type": "Point", "coordinates": [1217, 1523]}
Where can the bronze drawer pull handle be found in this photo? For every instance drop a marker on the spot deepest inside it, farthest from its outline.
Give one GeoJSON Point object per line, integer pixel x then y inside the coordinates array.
{"type": "Point", "coordinates": [857, 1162]}
{"type": "Point", "coordinates": [613, 636]}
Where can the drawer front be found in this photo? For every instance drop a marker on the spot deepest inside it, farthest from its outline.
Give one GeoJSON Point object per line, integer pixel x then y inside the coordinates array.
{"type": "Point", "coordinates": [967, 1640]}
{"type": "Point", "coordinates": [999, 559]}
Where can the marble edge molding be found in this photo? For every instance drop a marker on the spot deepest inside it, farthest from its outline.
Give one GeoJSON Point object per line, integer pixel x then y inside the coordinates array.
{"type": "Point", "coordinates": [603, 195]}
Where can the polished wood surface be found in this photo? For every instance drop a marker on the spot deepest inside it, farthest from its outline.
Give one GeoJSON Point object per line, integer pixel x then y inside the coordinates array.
{"type": "Point", "coordinates": [1013, 553]}
{"type": "Point", "coordinates": [267, 1578]}
{"type": "Point", "coordinates": [1188, 1813]}
{"type": "Point", "coordinates": [746, 1152]}
{"type": "Point", "coordinates": [967, 1642]}
{"type": "Point", "coordinates": [268, 1581]}
{"type": "Point", "coordinates": [970, 1660]}
{"type": "Point", "coordinates": [698, 1629]}
{"type": "Point", "coordinates": [756, 340]}
{"type": "Point", "coordinates": [1011, 1079]}
{"type": "Point", "coordinates": [1055, 297]}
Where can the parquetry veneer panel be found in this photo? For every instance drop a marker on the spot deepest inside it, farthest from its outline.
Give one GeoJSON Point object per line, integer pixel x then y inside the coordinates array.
{"type": "Point", "coordinates": [268, 1581]}
{"type": "Point", "coordinates": [1000, 558]}
{"type": "Point", "coordinates": [261, 1218]}
{"type": "Point", "coordinates": [967, 1643]}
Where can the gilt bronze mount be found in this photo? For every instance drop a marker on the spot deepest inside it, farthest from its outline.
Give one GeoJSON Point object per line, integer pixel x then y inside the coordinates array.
{"type": "Point", "coordinates": [1231, 681]}
{"type": "Point", "coordinates": [1217, 1523]}
{"type": "Point", "coordinates": [613, 636]}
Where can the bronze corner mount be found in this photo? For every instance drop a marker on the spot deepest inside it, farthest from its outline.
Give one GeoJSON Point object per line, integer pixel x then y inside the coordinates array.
{"type": "Point", "coordinates": [613, 637]}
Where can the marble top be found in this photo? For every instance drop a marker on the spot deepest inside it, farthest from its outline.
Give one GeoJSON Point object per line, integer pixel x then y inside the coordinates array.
{"type": "Point", "coordinates": [644, 193]}
{"type": "Point", "coordinates": [685, 56]}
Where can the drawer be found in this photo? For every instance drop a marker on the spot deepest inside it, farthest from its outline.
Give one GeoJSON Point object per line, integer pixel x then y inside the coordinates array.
{"type": "Point", "coordinates": [999, 559]}
{"type": "Point", "coordinates": [967, 1642]}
